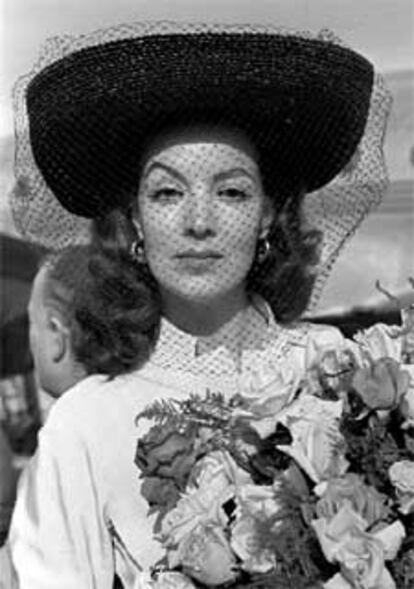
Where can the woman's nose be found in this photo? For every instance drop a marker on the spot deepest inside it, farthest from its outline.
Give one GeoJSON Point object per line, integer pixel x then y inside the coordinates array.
{"type": "Point", "coordinates": [199, 212]}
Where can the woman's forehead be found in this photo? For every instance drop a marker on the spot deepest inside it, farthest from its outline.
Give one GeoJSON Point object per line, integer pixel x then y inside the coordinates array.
{"type": "Point", "coordinates": [201, 148]}
{"type": "Point", "coordinates": [201, 133]}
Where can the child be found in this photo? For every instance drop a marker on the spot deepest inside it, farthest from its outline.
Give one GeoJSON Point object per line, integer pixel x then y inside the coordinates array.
{"type": "Point", "coordinates": [84, 311]}
{"type": "Point", "coordinates": [88, 315]}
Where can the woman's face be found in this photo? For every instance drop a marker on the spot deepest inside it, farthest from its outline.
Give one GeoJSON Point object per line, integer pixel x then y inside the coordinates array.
{"type": "Point", "coordinates": [201, 209]}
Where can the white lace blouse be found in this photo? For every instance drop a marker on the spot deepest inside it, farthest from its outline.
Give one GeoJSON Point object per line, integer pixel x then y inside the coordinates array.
{"type": "Point", "coordinates": [79, 515]}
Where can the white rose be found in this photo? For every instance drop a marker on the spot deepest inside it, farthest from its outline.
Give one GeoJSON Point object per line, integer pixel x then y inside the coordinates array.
{"type": "Point", "coordinates": [260, 501]}
{"type": "Point", "coordinates": [317, 444]}
{"type": "Point", "coordinates": [217, 470]}
{"type": "Point", "coordinates": [333, 532]}
{"type": "Point", "coordinates": [402, 477]}
{"type": "Point", "coordinates": [360, 555]}
{"type": "Point", "coordinates": [201, 503]}
{"type": "Point", "coordinates": [263, 380]}
{"type": "Point", "coordinates": [407, 400]}
{"type": "Point", "coordinates": [245, 541]}
{"type": "Point", "coordinates": [323, 339]}
{"type": "Point", "coordinates": [263, 412]}
{"type": "Point", "coordinates": [206, 555]}
{"type": "Point", "coordinates": [380, 341]}
{"type": "Point", "coordinates": [361, 558]}
{"type": "Point", "coordinates": [391, 538]}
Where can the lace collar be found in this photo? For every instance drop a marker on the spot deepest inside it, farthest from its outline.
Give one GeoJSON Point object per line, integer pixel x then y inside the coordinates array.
{"type": "Point", "coordinates": [246, 355]}
{"type": "Point", "coordinates": [247, 330]}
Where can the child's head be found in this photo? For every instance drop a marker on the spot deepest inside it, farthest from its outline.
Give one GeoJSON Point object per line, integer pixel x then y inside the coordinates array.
{"type": "Point", "coordinates": [88, 315]}
{"type": "Point", "coordinates": [50, 313]}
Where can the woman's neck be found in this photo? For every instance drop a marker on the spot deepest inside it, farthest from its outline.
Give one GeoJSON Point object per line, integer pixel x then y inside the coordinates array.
{"type": "Point", "coordinates": [203, 318]}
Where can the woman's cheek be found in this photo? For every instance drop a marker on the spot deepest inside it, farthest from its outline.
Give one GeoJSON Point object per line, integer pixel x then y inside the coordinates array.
{"type": "Point", "coordinates": [160, 236]}
{"type": "Point", "coordinates": [242, 240]}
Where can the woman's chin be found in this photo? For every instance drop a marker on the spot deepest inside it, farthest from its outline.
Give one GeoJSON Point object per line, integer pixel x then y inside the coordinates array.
{"type": "Point", "coordinates": [203, 292]}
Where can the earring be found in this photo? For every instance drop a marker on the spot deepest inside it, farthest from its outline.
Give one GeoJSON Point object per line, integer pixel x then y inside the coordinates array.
{"type": "Point", "coordinates": [263, 250]}
{"type": "Point", "coordinates": [137, 251]}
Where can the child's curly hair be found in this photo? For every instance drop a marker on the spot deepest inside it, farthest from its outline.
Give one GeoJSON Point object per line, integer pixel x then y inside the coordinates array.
{"type": "Point", "coordinates": [113, 316]}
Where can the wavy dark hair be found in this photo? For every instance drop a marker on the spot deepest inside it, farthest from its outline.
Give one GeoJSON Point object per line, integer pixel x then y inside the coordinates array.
{"type": "Point", "coordinates": [112, 312]}
{"type": "Point", "coordinates": [285, 279]}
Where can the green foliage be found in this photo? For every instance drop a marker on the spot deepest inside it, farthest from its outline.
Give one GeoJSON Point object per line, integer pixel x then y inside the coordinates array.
{"type": "Point", "coordinates": [373, 445]}
{"type": "Point", "coordinates": [402, 569]}
{"type": "Point", "coordinates": [160, 410]}
{"type": "Point", "coordinates": [211, 411]}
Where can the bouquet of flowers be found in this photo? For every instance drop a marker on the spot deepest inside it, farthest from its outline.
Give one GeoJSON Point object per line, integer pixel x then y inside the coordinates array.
{"type": "Point", "coordinates": [314, 492]}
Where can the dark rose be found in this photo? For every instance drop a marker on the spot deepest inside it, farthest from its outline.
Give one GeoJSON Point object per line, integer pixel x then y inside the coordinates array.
{"type": "Point", "coordinates": [164, 452]}
{"type": "Point", "coordinates": [160, 492]}
{"type": "Point", "coordinates": [381, 384]}
{"type": "Point", "coordinates": [261, 458]}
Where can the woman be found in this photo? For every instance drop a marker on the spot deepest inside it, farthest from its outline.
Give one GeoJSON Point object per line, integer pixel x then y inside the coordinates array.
{"type": "Point", "coordinates": [194, 148]}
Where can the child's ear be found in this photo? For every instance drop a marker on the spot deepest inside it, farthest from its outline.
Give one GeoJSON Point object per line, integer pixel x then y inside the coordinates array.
{"type": "Point", "coordinates": [58, 338]}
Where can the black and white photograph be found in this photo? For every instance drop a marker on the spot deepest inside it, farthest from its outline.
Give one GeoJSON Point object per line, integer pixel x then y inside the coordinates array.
{"type": "Point", "coordinates": [207, 294]}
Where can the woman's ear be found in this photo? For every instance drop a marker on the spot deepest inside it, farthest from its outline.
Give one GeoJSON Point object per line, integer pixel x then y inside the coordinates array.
{"type": "Point", "coordinates": [59, 339]}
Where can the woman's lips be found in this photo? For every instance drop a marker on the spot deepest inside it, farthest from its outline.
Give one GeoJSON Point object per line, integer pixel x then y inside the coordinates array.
{"type": "Point", "coordinates": [198, 262]}
{"type": "Point", "coordinates": [199, 255]}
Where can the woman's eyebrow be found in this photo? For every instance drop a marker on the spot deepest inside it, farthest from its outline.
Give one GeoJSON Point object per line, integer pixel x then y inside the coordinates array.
{"type": "Point", "coordinates": [235, 172]}
{"type": "Point", "coordinates": [219, 176]}
{"type": "Point", "coordinates": [166, 168]}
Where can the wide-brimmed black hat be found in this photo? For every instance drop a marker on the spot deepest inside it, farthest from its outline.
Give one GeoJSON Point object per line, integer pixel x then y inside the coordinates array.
{"type": "Point", "coordinates": [303, 102]}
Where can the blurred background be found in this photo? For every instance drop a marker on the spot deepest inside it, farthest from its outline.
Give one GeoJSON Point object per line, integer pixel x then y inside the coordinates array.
{"type": "Point", "coordinates": [383, 249]}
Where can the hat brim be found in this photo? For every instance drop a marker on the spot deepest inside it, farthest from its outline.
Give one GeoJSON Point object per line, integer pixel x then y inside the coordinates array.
{"type": "Point", "coordinates": [302, 102]}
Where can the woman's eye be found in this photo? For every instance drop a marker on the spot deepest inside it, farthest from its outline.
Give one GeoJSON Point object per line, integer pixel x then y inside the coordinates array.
{"type": "Point", "coordinates": [233, 193]}
{"type": "Point", "coordinates": [166, 193]}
